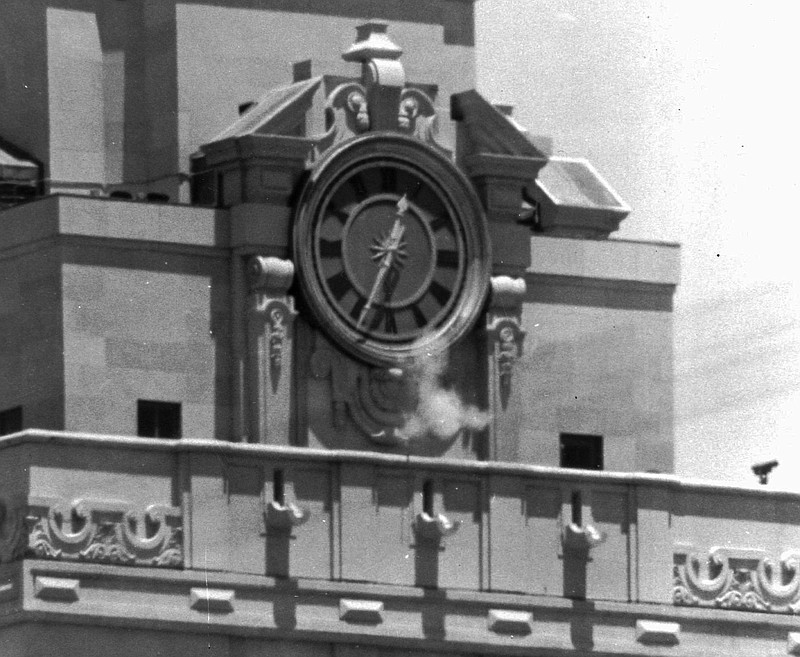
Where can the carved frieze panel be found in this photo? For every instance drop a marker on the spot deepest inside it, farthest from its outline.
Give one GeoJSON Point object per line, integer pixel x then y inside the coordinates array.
{"type": "Point", "coordinates": [105, 532]}
{"type": "Point", "coordinates": [737, 578]}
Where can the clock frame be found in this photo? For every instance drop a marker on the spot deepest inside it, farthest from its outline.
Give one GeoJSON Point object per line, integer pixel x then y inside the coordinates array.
{"type": "Point", "coordinates": [392, 248]}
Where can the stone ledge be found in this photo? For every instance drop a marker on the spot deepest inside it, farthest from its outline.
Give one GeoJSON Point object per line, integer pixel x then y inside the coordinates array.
{"type": "Point", "coordinates": [361, 611]}
{"type": "Point", "coordinates": [61, 589]}
{"type": "Point", "coordinates": [408, 614]}
{"type": "Point", "coordinates": [211, 600]}
{"type": "Point", "coordinates": [506, 621]}
{"type": "Point", "coordinates": [657, 632]}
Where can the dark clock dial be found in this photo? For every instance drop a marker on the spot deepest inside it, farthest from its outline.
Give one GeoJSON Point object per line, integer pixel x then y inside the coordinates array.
{"type": "Point", "coordinates": [392, 248]}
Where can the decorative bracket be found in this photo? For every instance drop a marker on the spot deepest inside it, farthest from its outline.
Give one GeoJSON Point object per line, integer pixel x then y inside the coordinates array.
{"type": "Point", "coordinates": [270, 278]}
{"type": "Point", "coordinates": [434, 527]}
{"type": "Point", "coordinates": [381, 100]}
{"type": "Point", "coordinates": [284, 517]}
{"type": "Point", "coordinates": [504, 330]}
{"type": "Point", "coordinates": [581, 538]}
{"type": "Point", "coordinates": [579, 534]}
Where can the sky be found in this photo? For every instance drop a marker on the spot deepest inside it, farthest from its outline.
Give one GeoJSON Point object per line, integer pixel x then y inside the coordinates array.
{"type": "Point", "coordinates": [690, 110]}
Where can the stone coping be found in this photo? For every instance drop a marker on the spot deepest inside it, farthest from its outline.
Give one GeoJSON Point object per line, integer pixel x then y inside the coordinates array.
{"type": "Point", "coordinates": [613, 260]}
{"type": "Point", "coordinates": [194, 446]}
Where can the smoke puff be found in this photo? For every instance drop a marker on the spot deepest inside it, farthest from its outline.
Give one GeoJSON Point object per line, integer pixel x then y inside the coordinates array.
{"type": "Point", "coordinates": [440, 412]}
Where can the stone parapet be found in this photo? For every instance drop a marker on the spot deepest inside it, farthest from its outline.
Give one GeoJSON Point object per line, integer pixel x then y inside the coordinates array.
{"type": "Point", "coordinates": [433, 525]}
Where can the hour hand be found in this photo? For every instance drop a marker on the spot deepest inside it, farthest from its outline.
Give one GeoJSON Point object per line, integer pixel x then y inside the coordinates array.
{"type": "Point", "coordinates": [389, 252]}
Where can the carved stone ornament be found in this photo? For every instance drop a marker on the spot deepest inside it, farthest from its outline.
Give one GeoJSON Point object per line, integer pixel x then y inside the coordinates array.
{"type": "Point", "coordinates": [270, 278]}
{"type": "Point", "coordinates": [347, 115]}
{"type": "Point", "coordinates": [581, 538]}
{"type": "Point", "coordinates": [737, 578]}
{"type": "Point", "coordinates": [114, 533]}
{"type": "Point", "coordinates": [284, 517]}
{"type": "Point", "coordinates": [503, 329]}
{"type": "Point", "coordinates": [434, 527]}
{"type": "Point", "coordinates": [13, 535]}
{"type": "Point", "coordinates": [376, 399]}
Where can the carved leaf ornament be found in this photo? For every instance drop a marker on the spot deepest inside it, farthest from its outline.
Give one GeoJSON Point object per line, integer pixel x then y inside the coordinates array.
{"type": "Point", "coordinates": [736, 578]}
{"type": "Point", "coordinates": [81, 530]}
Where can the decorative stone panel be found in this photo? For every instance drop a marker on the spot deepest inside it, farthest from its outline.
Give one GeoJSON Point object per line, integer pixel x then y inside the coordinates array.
{"type": "Point", "coordinates": [737, 578]}
{"type": "Point", "coordinates": [105, 532]}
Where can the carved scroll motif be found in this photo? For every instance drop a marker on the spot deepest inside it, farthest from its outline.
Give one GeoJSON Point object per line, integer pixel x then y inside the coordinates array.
{"type": "Point", "coordinates": [347, 114]}
{"type": "Point", "coordinates": [417, 117]}
{"type": "Point", "coordinates": [737, 578]}
{"type": "Point", "coordinates": [106, 533]}
{"type": "Point", "coordinates": [375, 399]}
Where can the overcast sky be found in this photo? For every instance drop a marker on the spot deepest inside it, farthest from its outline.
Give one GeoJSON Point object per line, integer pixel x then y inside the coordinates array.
{"type": "Point", "coordinates": [690, 110]}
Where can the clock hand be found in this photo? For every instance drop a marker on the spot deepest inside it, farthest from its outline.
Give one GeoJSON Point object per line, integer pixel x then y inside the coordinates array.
{"type": "Point", "coordinates": [385, 265]}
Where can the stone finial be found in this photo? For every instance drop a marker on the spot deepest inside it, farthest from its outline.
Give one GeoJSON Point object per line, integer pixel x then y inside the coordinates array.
{"type": "Point", "coordinates": [372, 42]}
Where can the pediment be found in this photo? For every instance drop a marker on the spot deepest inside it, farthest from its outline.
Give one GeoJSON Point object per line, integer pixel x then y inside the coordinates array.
{"type": "Point", "coordinates": [280, 111]}
{"type": "Point", "coordinates": [487, 130]}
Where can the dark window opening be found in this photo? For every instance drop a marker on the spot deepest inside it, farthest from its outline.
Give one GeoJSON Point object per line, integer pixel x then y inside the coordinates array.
{"type": "Point", "coordinates": [11, 420]}
{"type": "Point", "coordinates": [158, 419]}
{"type": "Point", "coordinates": [581, 451]}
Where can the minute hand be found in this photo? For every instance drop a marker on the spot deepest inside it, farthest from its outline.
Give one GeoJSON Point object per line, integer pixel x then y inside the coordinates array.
{"type": "Point", "coordinates": [383, 268]}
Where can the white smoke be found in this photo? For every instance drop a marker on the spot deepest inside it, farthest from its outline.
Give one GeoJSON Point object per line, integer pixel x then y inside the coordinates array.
{"type": "Point", "coordinates": [439, 412]}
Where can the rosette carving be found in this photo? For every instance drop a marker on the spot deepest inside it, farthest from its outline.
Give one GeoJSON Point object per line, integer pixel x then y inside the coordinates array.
{"type": "Point", "coordinates": [737, 578]}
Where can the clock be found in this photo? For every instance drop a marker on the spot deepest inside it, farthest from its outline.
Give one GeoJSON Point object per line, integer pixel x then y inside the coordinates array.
{"type": "Point", "coordinates": [391, 247]}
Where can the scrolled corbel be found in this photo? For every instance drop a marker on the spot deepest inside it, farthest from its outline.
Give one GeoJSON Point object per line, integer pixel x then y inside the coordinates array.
{"type": "Point", "coordinates": [270, 275]}
{"type": "Point", "coordinates": [581, 537]}
{"type": "Point", "coordinates": [504, 329]}
{"type": "Point", "coordinates": [434, 527]}
{"type": "Point", "coordinates": [285, 516]}
{"type": "Point", "coordinates": [270, 279]}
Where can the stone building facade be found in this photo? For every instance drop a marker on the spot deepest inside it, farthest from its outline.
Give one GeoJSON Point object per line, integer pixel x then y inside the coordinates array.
{"type": "Point", "coordinates": [310, 348]}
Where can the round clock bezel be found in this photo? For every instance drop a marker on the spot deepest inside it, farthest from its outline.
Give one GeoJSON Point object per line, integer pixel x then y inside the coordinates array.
{"type": "Point", "coordinates": [464, 208]}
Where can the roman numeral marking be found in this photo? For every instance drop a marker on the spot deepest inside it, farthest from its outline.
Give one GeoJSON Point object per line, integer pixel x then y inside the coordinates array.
{"type": "Point", "coordinates": [360, 189]}
{"type": "Point", "coordinates": [447, 258]}
{"type": "Point", "coordinates": [438, 223]}
{"type": "Point", "coordinates": [419, 317]}
{"type": "Point", "coordinates": [385, 317]}
{"type": "Point", "coordinates": [339, 285]}
{"type": "Point", "coordinates": [355, 313]}
{"type": "Point", "coordinates": [330, 248]}
{"type": "Point", "coordinates": [439, 292]}
{"type": "Point", "coordinates": [388, 179]}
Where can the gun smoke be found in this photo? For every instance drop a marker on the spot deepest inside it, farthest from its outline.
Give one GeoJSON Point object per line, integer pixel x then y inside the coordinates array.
{"type": "Point", "coordinates": [440, 412]}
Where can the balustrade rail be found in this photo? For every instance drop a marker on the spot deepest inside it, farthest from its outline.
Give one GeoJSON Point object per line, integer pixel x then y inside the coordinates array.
{"type": "Point", "coordinates": [389, 519]}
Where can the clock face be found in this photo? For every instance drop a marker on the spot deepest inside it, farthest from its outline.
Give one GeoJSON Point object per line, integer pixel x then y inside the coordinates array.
{"type": "Point", "coordinates": [392, 249]}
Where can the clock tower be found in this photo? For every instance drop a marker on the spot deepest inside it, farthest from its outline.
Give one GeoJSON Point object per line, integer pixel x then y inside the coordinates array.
{"type": "Point", "coordinates": [382, 320]}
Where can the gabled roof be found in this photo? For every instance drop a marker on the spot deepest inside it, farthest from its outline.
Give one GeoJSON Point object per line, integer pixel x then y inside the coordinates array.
{"type": "Point", "coordinates": [490, 131]}
{"type": "Point", "coordinates": [277, 112]}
